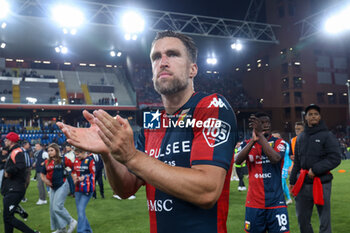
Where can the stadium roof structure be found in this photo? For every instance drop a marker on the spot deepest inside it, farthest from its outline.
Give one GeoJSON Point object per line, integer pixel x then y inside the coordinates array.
{"type": "Point", "coordinates": [30, 28]}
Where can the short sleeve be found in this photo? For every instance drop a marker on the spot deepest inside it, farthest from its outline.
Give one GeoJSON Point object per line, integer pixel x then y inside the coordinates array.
{"type": "Point", "coordinates": [280, 147]}
{"type": "Point", "coordinates": [214, 142]}
{"type": "Point", "coordinates": [92, 166]}
{"type": "Point", "coordinates": [68, 162]}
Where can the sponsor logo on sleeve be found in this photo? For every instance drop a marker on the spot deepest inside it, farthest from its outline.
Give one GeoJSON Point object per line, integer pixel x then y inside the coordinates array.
{"type": "Point", "coordinates": [281, 147]}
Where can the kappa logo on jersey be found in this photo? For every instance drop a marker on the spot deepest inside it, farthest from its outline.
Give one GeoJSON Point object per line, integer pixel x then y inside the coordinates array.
{"type": "Point", "coordinates": [215, 136]}
{"type": "Point", "coordinates": [217, 103]}
{"type": "Point", "coordinates": [151, 120]}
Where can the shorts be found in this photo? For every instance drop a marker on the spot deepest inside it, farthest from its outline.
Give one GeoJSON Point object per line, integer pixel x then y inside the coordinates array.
{"type": "Point", "coordinates": [266, 220]}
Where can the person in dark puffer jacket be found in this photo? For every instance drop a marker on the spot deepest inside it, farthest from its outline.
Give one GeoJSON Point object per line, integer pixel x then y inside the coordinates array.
{"type": "Point", "coordinates": [317, 152]}
{"type": "Point", "coordinates": [13, 184]}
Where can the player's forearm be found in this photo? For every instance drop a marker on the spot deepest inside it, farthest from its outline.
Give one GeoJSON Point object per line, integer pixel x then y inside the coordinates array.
{"type": "Point", "coordinates": [273, 156]}
{"type": "Point", "coordinates": [200, 185]}
{"type": "Point", "coordinates": [243, 154]}
{"type": "Point", "coordinates": [122, 181]}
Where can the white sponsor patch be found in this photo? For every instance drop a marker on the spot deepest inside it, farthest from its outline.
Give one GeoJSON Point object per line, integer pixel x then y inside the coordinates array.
{"type": "Point", "coordinates": [262, 175]}
{"type": "Point", "coordinates": [215, 136]}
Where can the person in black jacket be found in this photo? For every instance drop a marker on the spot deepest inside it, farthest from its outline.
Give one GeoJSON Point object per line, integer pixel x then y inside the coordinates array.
{"type": "Point", "coordinates": [98, 174]}
{"type": "Point", "coordinates": [3, 156]}
{"type": "Point", "coordinates": [317, 152]}
{"type": "Point", "coordinates": [13, 184]}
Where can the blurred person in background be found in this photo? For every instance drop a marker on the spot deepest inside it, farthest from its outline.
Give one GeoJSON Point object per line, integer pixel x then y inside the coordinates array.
{"type": "Point", "coordinates": [298, 128]}
{"type": "Point", "coordinates": [54, 176]}
{"type": "Point", "coordinates": [40, 156]}
{"type": "Point", "coordinates": [3, 157]}
{"type": "Point", "coordinates": [84, 178]}
{"type": "Point", "coordinates": [240, 169]}
{"type": "Point", "coordinates": [27, 151]}
{"type": "Point", "coordinates": [69, 154]}
{"type": "Point", "coordinates": [287, 163]}
{"type": "Point", "coordinates": [98, 174]}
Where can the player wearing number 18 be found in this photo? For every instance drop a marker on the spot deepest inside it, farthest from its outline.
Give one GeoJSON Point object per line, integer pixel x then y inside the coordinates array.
{"type": "Point", "coordinates": [266, 210]}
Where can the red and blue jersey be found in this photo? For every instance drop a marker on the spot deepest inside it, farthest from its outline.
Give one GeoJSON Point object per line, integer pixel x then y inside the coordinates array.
{"type": "Point", "coordinates": [265, 186]}
{"type": "Point", "coordinates": [55, 172]}
{"type": "Point", "coordinates": [86, 168]}
{"type": "Point", "coordinates": [202, 132]}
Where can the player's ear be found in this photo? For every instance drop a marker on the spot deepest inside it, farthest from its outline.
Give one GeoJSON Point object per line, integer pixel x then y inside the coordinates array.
{"type": "Point", "coordinates": [193, 70]}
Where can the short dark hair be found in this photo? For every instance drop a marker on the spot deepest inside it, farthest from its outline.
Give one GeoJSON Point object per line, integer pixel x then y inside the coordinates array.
{"type": "Point", "coordinates": [24, 142]}
{"type": "Point", "coordinates": [262, 114]}
{"type": "Point", "coordinates": [191, 47]}
{"type": "Point", "coordinates": [299, 123]}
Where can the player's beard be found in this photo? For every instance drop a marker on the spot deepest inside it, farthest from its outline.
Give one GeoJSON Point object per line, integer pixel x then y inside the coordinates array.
{"type": "Point", "coordinates": [170, 86]}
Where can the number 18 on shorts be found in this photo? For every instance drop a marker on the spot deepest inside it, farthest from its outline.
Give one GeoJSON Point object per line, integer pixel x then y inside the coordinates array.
{"type": "Point", "coordinates": [266, 220]}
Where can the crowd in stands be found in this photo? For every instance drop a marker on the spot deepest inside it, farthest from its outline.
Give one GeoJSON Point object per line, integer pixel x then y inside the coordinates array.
{"type": "Point", "coordinates": [46, 132]}
{"type": "Point", "coordinates": [229, 87]}
{"type": "Point", "coordinates": [107, 101]}
{"type": "Point", "coordinates": [5, 92]}
{"type": "Point", "coordinates": [25, 74]}
{"type": "Point", "coordinates": [143, 85]}
{"type": "Point", "coordinates": [5, 73]}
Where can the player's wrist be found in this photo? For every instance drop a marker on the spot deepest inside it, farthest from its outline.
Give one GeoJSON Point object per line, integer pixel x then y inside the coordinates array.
{"type": "Point", "coordinates": [131, 158]}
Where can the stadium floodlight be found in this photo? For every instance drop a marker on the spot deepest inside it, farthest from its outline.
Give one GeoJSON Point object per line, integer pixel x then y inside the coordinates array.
{"type": "Point", "coordinates": [3, 45]}
{"type": "Point", "coordinates": [127, 36]}
{"type": "Point", "coordinates": [3, 25]}
{"type": "Point", "coordinates": [112, 53]}
{"type": "Point", "coordinates": [4, 9]}
{"type": "Point", "coordinates": [3, 98]}
{"type": "Point", "coordinates": [61, 49]}
{"type": "Point", "coordinates": [133, 24]}
{"type": "Point", "coordinates": [212, 61]}
{"type": "Point", "coordinates": [119, 54]}
{"type": "Point", "coordinates": [237, 46]}
{"type": "Point", "coordinates": [64, 50]}
{"type": "Point", "coordinates": [68, 17]}
{"type": "Point", "coordinates": [338, 22]}
{"type": "Point", "coordinates": [73, 31]}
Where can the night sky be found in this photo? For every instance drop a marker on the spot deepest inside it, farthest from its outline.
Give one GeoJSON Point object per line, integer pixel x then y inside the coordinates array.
{"type": "Point", "coordinates": [233, 9]}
